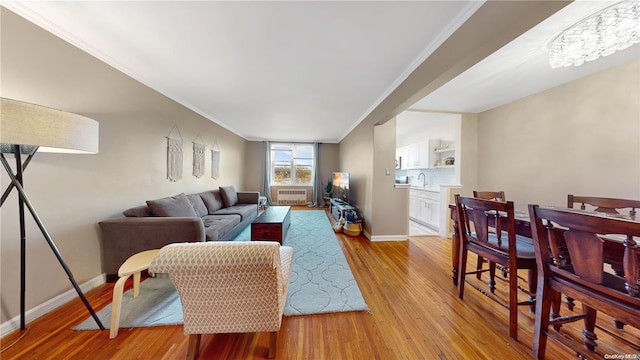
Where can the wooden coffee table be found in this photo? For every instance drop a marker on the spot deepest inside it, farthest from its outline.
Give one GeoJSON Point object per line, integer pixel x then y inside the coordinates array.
{"type": "Point", "coordinates": [272, 224]}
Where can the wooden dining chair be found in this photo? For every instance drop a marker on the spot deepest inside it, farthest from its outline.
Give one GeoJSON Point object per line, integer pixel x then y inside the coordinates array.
{"type": "Point", "coordinates": [490, 195]}
{"type": "Point", "coordinates": [502, 247]}
{"type": "Point", "coordinates": [496, 196]}
{"type": "Point", "coordinates": [579, 272]}
{"type": "Point", "coordinates": [604, 205]}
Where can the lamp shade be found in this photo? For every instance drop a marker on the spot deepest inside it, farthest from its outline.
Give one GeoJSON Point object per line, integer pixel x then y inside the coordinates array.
{"type": "Point", "coordinates": [51, 130]}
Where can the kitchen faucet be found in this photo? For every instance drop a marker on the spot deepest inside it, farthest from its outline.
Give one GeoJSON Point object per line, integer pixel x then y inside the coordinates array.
{"type": "Point", "coordinates": [424, 181]}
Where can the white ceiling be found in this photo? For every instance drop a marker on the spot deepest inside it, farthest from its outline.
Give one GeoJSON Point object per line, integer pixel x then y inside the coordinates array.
{"type": "Point", "coordinates": [521, 68]}
{"type": "Point", "coordinates": [300, 70]}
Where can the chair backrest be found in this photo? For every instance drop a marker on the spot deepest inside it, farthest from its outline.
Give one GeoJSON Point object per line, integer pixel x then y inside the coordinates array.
{"type": "Point", "coordinates": [483, 216]}
{"type": "Point", "coordinates": [490, 195]}
{"type": "Point", "coordinates": [605, 205]}
{"type": "Point", "coordinates": [582, 265]}
{"type": "Point", "coordinates": [226, 287]}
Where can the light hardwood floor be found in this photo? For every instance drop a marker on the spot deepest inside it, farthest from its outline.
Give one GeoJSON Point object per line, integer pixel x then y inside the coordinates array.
{"type": "Point", "coordinates": [415, 314]}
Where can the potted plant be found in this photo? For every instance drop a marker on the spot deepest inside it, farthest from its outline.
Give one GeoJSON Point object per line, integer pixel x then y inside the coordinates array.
{"type": "Point", "coordinates": [328, 188]}
{"type": "Point", "coordinates": [352, 225]}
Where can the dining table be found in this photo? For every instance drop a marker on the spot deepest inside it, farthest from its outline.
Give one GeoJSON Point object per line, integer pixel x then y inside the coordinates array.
{"type": "Point", "coordinates": [614, 251]}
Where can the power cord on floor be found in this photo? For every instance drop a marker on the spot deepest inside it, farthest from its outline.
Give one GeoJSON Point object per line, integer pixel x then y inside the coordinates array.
{"type": "Point", "coordinates": [17, 340]}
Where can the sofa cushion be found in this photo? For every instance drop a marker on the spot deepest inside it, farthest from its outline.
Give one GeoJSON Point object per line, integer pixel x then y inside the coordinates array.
{"type": "Point", "coordinates": [244, 210]}
{"type": "Point", "coordinates": [229, 195]}
{"type": "Point", "coordinates": [138, 211]}
{"type": "Point", "coordinates": [217, 226]}
{"type": "Point", "coordinates": [212, 200]}
{"type": "Point", "coordinates": [177, 205]}
{"type": "Point", "coordinates": [198, 204]}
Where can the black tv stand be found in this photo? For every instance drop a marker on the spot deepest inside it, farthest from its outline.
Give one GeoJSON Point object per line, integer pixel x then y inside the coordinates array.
{"type": "Point", "coordinates": [338, 207]}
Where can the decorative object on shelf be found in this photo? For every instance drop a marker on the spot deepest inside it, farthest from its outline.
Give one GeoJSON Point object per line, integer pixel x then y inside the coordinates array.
{"type": "Point", "coordinates": [198, 157]}
{"type": "Point", "coordinates": [25, 129]}
{"type": "Point", "coordinates": [215, 161]}
{"type": "Point", "coordinates": [603, 33]}
{"type": "Point", "coordinates": [174, 156]}
{"type": "Point", "coordinates": [352, 225]}
{"type": "Point", "coordinates": [449, 161]}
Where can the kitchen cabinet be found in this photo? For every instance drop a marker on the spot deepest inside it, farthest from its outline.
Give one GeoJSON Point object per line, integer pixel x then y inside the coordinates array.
{"type": "Point", "coordinates": [413, 205]}
{"type": "Point", "coordinates": [427, 154]}
{"type": "Point", "coordinates": [417, 155]}
{"type": "Point", "coordinates": [402, 154]}
{"type": "Point", "coordinates": [424, 207]}
{"type": "Point", "coordinates": [424, 157]}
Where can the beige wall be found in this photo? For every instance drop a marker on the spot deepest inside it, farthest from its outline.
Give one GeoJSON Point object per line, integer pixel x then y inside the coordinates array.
{"type": "Point", "coordinates": [72, 193]}
{"type": "Point", "coordinates": [328, 162]}
{"type": "Point", "coordinates": [390, 211]}
{"type": "Point", "coordinates": [468, 154]}
{"type": "Point", "coordinates": [580, 138]}
{"type": "Point", "coordinates": [254, 166]}
{"type": "Point", "coordinates": [356, 157]}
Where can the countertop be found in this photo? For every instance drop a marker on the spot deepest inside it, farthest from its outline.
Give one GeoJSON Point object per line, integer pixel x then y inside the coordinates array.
{"type": "Point", "coordinates": [431, 188]}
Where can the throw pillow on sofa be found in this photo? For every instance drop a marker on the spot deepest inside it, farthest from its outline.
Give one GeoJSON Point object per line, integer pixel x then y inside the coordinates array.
{"type": "Point", "coordinates": [198, 204]}
{"type": "Point", "coordinates": [212, 200]}
{"type": "Point", "coordinates": [229, 195]}
{"type": "Point", "coordinates": [178, 206]}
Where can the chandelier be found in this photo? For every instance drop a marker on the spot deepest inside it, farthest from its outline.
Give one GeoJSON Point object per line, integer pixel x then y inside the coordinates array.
{"type": "Point", "coordinates": [616, 27]}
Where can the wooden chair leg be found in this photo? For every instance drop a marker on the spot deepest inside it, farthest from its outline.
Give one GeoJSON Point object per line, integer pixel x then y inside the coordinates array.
{"type": "Point", "coordinates": [492, 277]}
{"type": "Point", "coordinates": [136, 284]}
{"type": "Point", "coordinates": [541, 324]}
{"type": "Point", "coordinates": [513, 305]}
{"type": "Point", "coordinates": [532, 279]}
{"type": "Point", "coordinates": [479, 266]}
{"type": "Point", "coordinates": [462, 269]}
{"type": "Point", "coordinates": [556, 302]}
{"type": "Point", "coordinates": [570, 303]}
{"type": "Point", "coordinates": [619, 324]}
{"type": "Point", "coordinates": [273, 343]}
{"type": "Point", "coordinates": [589, 326]}
{"type": "Point", "coordinates": [116, 306]}
{"type": "Point", "coordinates": [194, 346]}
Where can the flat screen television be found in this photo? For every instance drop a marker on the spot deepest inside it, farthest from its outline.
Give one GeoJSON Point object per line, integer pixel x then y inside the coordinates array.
{"type": "Point", "coordinates": [340, 186]}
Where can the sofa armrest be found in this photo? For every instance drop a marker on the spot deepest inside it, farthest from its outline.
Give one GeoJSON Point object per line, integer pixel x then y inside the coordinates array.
{"type": "Point", "coordinates": [248, 197]}
{"type": "Point", "coordinates": [127, 236]}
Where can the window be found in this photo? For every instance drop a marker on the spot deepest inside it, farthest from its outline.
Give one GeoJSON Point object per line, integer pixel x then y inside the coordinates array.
{"type": "Point", "coordinates": [292, 164]}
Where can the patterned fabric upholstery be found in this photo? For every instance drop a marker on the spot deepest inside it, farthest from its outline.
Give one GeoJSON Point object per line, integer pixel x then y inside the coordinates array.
{"type": "Point", "coordinates": [228, 287]}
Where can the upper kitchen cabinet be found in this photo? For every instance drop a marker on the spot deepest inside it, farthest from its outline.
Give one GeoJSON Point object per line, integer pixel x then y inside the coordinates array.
{"type": "Point", "coordinates": [415, 156]}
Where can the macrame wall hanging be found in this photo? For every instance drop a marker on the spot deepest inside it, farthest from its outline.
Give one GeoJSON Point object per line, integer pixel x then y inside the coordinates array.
{"type": "Point", "coordinates": [174, 156]}
{"type": "Point", "coordinates": [198, 157]}
{"type": "Point", "coordinates": [215, 161]}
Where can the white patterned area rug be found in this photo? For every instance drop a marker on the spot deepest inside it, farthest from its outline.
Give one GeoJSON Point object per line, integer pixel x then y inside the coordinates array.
{"type": "Point", "coordinates": [321, 280]}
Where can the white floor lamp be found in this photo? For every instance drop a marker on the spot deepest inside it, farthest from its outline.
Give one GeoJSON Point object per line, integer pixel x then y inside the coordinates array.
{"type": "Point", "coordinates": [25, 129]}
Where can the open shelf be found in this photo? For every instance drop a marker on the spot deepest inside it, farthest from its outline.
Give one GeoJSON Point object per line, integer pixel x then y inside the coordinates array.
{"type": "Point", "coordinates": [445, 150]}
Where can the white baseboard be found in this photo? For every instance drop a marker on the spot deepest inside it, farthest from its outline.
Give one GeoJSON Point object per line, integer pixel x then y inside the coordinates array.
{"type": "Point", "coordinates": [50, 305]}
{"type": "Point", "coordinates": [390, 238]}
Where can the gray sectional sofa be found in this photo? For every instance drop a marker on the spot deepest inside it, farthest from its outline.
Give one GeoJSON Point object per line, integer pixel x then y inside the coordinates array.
{"type": "Point", "coordinates": [214, 215]}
